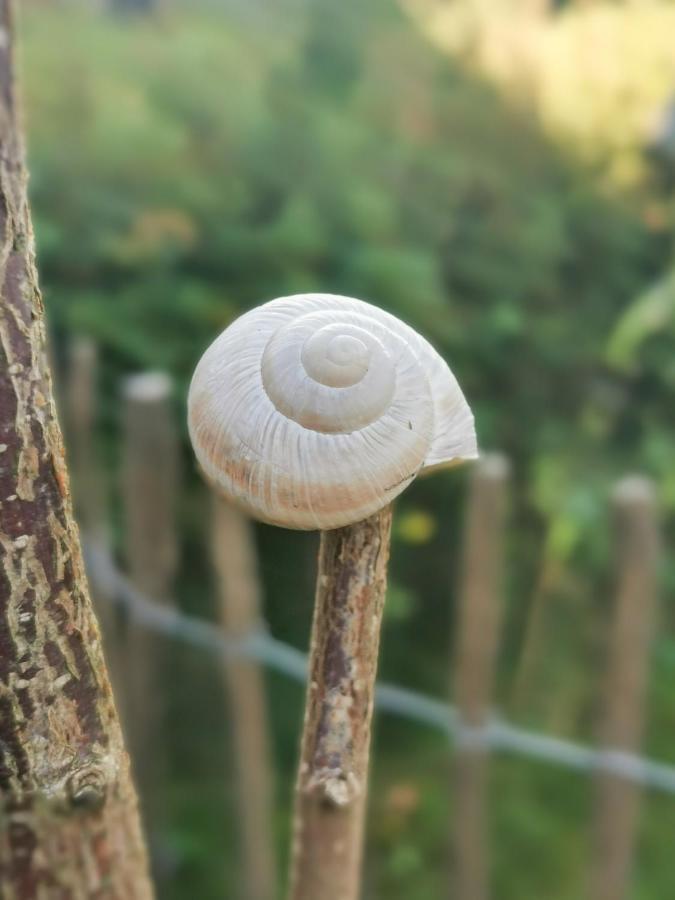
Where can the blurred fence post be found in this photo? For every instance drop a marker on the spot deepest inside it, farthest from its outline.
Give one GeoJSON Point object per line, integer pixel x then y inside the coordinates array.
{"type": "Point", "coordinates": [138, 7]}
{"type": "Point", "coordinates": [81, 402]}
{"type": "Point", "coordinates": [617, 798]}
{"type": "Point", "coordinates": [89, 487]}
{"type": "Point", "coordinates": [149, 489]}
{"type": "Point", "coordinates": [235, 561]}
{"type": "Point", "coordinates": [477, 646]}
{"type": "Point", "coordinates": [551, 570]}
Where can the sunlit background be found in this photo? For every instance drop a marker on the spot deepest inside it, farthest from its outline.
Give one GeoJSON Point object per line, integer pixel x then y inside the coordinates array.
{"type": "Point", "coordinates": [502, 177]}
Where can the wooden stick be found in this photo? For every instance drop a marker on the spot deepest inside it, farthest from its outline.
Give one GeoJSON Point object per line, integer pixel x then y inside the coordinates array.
{"type": "Point", "coordinates": [235, 560]}
{"type": "Point", "coordinates": [150, 480]}
{"type": "Point", "coordinates": [617, 799]}
{"type": "Point", "coordinates": [70, 823]}
{"type": "Point", "coordinates": [150, 483]}
{"type": "Point", "coordinates": [477, 646]}
{"type": "Point", "coordinates": [80, 398]}
{"type": "Point", "coordinates": [88, 482]}
{"type": "Point", "coordinates": [332, 779]}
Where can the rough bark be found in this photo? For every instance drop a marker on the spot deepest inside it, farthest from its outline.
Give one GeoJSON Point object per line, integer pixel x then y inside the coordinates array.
{"type": "Point", "coordinates": [332, 779]}
{"type": "Point", "coordinates": [236, 563]}
{"type": "Point", "coordinates": [477, 646]}
{"type": "Point", "coordinates": [68, 818]}
{"type": "Point", "coordinates": [618, 799]}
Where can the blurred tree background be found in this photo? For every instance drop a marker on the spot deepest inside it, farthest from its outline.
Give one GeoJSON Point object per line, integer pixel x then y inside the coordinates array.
{"type": "Point", "coordinates": [502, 182]}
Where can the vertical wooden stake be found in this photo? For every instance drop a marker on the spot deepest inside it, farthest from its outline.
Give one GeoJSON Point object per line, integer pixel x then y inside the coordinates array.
{"type": "Point", "coordinates": [477, 646]}
{"type": "Point", "coordinates": [236, 563]}
{"type": "Point", "coordinates": [69, 822]}
{"type": "Point", "coordinates": [150, 478]}
{"type": "Point", "coordinates": [80, 416]}
{"type": "Point", "coordinates": [150, 486]}
{"type": "Point", "coordinates": [88, 482]}
{"type": "Point", "coordinates": [332, 779]}
{"type": "Point", "coordinates": [617, 799]}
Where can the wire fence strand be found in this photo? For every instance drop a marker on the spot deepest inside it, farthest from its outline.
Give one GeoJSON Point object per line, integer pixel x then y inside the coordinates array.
{"type": "Point", "coordinates": [497, 734]}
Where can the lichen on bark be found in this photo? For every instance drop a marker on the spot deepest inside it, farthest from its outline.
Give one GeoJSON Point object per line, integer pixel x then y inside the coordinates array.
{"type": "Point", "coordinates": [69, 823]}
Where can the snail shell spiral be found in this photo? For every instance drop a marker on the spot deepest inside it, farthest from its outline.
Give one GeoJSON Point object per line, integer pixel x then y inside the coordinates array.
{"type": "Point", "coordinates": [315, 411]}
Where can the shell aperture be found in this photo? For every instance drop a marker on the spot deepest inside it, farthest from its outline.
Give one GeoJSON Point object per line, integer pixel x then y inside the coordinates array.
{"type": "Point", "coordinates": [314, 411]}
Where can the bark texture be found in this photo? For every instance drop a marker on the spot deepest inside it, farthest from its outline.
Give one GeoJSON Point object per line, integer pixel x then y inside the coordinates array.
{"type": "Point", "coordinates": [478, 636]}
{"type": "Point", "coordinates": [618, 799]}
{"type": "Point", "coordinates": [236, 563]}
{"type": "Point", "coordinates": [68, 819]}
{"type": "Point", "coordinates": [332, 780]}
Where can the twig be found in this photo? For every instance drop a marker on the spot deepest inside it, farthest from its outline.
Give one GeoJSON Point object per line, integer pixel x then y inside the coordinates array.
{"type": "Point", "coordinates": [332, 780]}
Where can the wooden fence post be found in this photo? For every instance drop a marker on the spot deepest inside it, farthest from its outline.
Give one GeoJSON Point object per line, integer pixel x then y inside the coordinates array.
{"type": "Point", "coordinates": [150, 477]}
{"type": "Point", "coordinates": [80, 398]}
{"type": "Point", "coordinates": [89, 486]}
{"type": "Point", "coordinates": [477, 646]}
{"type": "Point", "coordinates": [150, 481]}
{"type": "Point", "coordinates": [617, 798]}
{"type": "Point", "coordinates": [236, 564]}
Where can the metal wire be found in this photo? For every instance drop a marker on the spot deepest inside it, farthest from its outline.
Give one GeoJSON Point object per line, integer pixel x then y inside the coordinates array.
{"type": "Point", "coordinates": [497, 734]}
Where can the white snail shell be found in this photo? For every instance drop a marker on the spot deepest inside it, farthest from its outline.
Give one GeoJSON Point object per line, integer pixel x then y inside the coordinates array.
{"type": "Point", "coordinates": [315, 411]}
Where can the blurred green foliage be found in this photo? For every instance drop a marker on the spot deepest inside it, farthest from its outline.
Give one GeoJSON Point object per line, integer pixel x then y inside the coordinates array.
{"type": "Point", "coordinates": [186, 168]}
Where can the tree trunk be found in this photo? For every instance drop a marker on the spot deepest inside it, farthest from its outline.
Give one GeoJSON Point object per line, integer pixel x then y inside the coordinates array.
{"type": "Point", "coordinates": [69, 822]}
{"type": "Point", "coordinates": [332, 780]}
